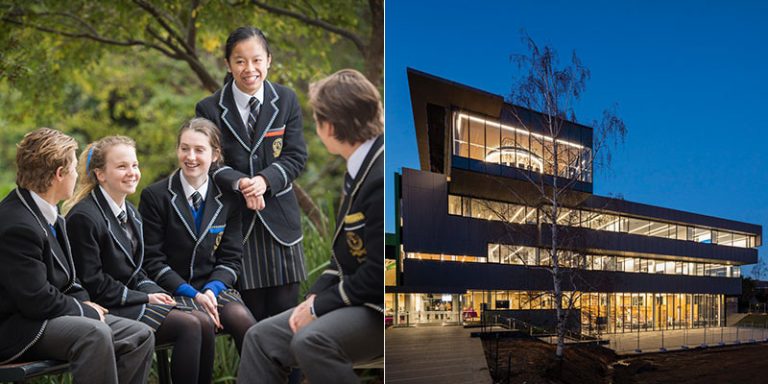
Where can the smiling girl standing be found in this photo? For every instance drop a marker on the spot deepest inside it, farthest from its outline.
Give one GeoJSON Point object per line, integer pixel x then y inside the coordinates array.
{"type": "Point", "coordinates": [264, 151]}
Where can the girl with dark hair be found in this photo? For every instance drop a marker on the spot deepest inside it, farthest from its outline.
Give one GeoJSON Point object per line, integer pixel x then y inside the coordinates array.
{"type": "Point", "coordinates": [264, 151]}
{"type": "Point", "coordinates": [194, 235]}
{"type": "Point", "coordinates": [105, 233]}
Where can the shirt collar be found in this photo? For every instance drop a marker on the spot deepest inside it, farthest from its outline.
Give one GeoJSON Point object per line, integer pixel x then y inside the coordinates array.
{"type": "Point", "coordinates": [355, 160]}
{"type": "Point", "coordinates": [50, 212]}
{"type": "Point", "coordinates": [189, 190]}
{"type": "Point", "coordinates": [116, 209]}
{"type": "Point", "coordinates": [242, 98]}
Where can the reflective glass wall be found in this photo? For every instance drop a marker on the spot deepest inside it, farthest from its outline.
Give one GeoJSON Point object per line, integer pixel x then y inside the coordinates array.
{"type": "Point", "coordinates": [601, 221]}
{"type": "Point", "coordinates": [491, 141]}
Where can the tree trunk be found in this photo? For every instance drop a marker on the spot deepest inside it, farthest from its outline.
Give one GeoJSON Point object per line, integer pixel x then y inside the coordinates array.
{"type": "Point", "coordinates": [374, 55]}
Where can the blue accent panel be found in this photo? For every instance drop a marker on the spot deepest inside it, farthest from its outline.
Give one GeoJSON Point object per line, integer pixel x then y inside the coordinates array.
{"type": "Point", "coordinates": [186, 290]}
{"type": "Point", "coordinates": [215, 286]}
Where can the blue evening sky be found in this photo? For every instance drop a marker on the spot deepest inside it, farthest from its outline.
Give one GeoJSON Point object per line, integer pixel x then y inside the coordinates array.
{"type": "Point", "coordinates": [690, 79]}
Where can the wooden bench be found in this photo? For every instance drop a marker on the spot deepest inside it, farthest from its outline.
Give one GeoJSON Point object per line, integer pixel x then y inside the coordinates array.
{"type": "Point", "coordinates": [21, 372]}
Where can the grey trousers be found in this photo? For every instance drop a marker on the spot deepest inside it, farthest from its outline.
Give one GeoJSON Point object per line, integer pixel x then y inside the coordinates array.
{"type": "Point", "coordinates": [115, 351]}
{"type": "Point", "coordinates": [325, 350]}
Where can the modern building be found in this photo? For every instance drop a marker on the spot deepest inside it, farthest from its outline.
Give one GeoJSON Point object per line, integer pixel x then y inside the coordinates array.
{"type": "Point", "coordinates": [473, 233]}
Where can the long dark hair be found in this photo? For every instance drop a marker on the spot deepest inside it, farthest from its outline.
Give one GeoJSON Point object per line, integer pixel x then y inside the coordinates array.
{"type": "Point", "coordinates": [241, 34]}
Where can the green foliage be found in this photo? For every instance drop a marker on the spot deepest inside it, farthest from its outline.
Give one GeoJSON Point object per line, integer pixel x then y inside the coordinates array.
{"type": "Point", "coordinates": [90, 89]}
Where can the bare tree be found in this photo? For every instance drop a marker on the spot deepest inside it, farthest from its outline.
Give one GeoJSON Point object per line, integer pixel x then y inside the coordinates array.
{"type": "Point", "coordinates": [760, 270]}
{"type": "Point", "coordinates": [554, 165]}
{"type": "Point", "coordinates": [553, 91]}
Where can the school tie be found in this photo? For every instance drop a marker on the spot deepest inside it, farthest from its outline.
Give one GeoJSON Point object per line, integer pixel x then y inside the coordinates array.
{"type": "Point", "coordinates": [122, 218]}
{"type": "Point", "coordinates": [348, 181]}
{"type": "Point", "coordinates": [254, 107]}
{"type": "Point", "coordinates": [53, 230]}
{"type": "Point", "coordinates": [196, 200]}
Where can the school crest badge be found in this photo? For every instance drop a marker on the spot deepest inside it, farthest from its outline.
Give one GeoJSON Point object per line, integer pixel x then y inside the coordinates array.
{"type": "Point", "coordinates": [277, 147]}
{"type": "Point", "coordinates": [356, 246]}
{"type": "Point", "coordinates": [217, 242]}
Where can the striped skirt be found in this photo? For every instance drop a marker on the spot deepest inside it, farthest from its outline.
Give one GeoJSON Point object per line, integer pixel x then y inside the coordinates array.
{"type": "Point", "coordinates": [267, 263]}
{"type": "Point", "coordinates": [154, 314]}
{"type": "Point", "coordinates": [225, 297]}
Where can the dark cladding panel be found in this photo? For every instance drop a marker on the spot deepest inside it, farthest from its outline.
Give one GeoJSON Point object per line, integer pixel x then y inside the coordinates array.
{"type": "Point", "coordinates": [425, 223]}
{"type": "Point", "coordinates": [436, 131]}
{"type": "Point", "coordinates": [481, 276]}
{"type": "Point", "coordinates": [428, 228]}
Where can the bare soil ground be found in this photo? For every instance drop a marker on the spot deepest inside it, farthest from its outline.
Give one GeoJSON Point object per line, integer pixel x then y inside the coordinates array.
{"type": "Point", "coordinates": [533, 362]}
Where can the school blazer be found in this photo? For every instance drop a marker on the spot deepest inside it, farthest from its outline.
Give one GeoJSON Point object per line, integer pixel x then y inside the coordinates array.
{"type": "Point", "coordinates": [276, 151]}
{"type": "Point", "coordinates": [356, 271]}
{"type": "Point", "coordinates": [175, 253]}
{"type": "Point", "coordinates": [110, 271]}
{"type": "Point", "coordinates": [37, 277]}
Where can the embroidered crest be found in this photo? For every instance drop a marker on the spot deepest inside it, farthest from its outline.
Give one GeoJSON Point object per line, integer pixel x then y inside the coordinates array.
{"type": "Point", "coordinates": [277, 147]}
{"type": "Point", "coordinates": [355, 244]}
{"type": "Point", "coordinates": [218, 241]}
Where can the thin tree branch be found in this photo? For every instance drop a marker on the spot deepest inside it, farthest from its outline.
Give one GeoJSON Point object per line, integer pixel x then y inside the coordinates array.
{"type": "Point", "coordinates": [357, 40]}
{"type": "Point", "coordinates": [96, 38]}
{"type": "Point", "coordinates": [156, 14]}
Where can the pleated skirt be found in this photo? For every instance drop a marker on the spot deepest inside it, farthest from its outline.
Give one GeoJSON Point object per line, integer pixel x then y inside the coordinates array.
{"type": "Point", "coordinates": [267, 263]}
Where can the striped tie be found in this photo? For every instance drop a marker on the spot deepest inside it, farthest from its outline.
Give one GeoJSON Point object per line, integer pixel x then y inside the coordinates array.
{"type": "Point", "coordinates": [254, 107]}
{"type": "Point", "coordinates": [122, 217]}
{"type": "Point", "coordinates": [196, 200]}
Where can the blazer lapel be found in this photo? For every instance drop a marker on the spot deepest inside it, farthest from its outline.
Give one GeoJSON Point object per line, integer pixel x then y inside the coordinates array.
{"type": "Point", "coordinates": [180, 205]}
{"type": "Point", "coordinates": [268, 113]}
{"type": "Point", "coordinates": [66, 249]}
{"type": "Point", "coordinates": [212, 208]}
{"type": "Point", "coordinates": [377, 149]}
{"type": "Point", "coordinates": [230, 115]}
{"type": "Point", "coordinates": [56, 250]}
{"type": "Point", "coordinates": [138, 231]}
{"type": "Point", "coordinates": [117, 234]}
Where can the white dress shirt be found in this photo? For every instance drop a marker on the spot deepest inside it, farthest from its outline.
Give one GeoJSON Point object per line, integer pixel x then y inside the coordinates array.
{"type": "Point", "coordinates": [242, 99]}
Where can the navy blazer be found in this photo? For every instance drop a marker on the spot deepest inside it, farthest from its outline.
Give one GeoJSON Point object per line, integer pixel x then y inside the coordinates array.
{"type": "Point", "coordinates": [356, 272]}
{"type": "Point", "coordinates": [175, 252]}
{"type": "Point", "coordinates": [111, 271]}
{"type": "Point", "coordinates": [37, 277]}
{"type": "Point", "coordinates": [275, 151]}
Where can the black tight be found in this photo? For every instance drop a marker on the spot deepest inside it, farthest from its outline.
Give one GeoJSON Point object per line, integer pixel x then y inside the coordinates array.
{"type": "Point", "coordinates": [192, 336]}
{"type": "Point", "coordinates": [266, 302]}
{"type": "Point", "coordinates": [236, 319]}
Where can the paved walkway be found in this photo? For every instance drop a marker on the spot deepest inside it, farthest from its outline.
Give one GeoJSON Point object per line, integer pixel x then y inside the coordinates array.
{"type": "Point", "coordinates": [436, 354]}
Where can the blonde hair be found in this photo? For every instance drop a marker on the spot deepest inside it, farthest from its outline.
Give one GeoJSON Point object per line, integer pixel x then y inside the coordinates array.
{"type": "Point", "coordinates": [207, 128]}
{"type": "Point", "coordinates": [94, 157]}
{"type": "Point", "coordinates": [39, 154]}
{"type": "Point", "coordinates": [351, 103]}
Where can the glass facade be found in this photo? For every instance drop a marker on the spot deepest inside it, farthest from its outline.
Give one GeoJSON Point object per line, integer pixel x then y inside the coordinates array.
{"type": "Point", "coordinates": [530, 256]}
{"type": "Point", "coordinates": [601, 312]}
{"type": "Point", "coordinates": [491, 141]}
{"type": "Point", "coordinates": [601, 221]}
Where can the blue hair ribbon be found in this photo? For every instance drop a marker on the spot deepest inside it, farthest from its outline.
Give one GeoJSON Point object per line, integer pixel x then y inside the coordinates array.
{"type": "Point", "coordinates": [88, 161]}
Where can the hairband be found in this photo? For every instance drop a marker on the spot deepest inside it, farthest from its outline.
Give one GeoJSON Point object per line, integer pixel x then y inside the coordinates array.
{"type": "Point", "coordinates": [88, 161]}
